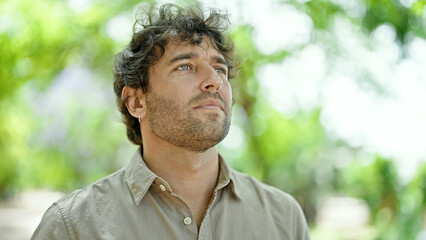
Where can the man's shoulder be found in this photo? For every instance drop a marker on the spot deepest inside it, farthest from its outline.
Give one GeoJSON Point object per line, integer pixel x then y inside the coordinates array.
{"type": "Point", "coordinates": [83, 206]}
{"type": "Point", "coordinates": [101, 190]}
{"type": "Point", "coordinates": [271, 206]}
{"type": "Point", "coordinates": [252, 188]}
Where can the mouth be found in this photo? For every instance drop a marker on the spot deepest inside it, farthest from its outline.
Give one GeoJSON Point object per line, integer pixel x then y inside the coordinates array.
{"type": "Point", "coordinates": [210, 104]}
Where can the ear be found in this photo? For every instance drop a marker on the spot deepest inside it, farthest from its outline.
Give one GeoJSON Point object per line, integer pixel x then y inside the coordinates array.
{"type": "Point", "coordinates": [134, 101]}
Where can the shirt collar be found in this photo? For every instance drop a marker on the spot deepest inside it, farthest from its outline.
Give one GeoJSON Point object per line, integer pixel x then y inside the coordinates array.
{"type": "Point", "coordinates": [227, 178]}
{"type": "Point", "coordinates": [140, 178]}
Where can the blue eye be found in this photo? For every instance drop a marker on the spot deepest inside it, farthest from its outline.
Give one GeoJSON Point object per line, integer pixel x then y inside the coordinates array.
{"type": "Point", "coordinates": [221, 70]}
{"type": "Point", "coordinates": [184, 67]}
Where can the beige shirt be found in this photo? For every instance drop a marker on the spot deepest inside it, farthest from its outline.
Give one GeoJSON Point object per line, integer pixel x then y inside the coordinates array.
{"type": "Point", "coordinates": [134, 203]}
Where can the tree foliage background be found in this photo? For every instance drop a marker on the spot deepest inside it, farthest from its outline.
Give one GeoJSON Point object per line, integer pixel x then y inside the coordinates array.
{"type": "Point", "coordinates": [60, 129]}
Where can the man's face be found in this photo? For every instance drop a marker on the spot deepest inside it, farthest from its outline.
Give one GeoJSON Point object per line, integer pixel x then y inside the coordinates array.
{"type": "Point", "coordinates": [188, 103]}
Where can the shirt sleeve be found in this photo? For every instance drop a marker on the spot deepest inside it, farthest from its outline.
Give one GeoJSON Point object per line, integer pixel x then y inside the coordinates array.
{"type": "Point", "coordinates": [300, 226]}
{"type": "Point", "coordinates": [52, 225]}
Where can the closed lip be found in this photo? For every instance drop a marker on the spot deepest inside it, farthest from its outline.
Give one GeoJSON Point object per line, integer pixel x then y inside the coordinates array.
{"type": "Point", "coordinates": [210, 103]}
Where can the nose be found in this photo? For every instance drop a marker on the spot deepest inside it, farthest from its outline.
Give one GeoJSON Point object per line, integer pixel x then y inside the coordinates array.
{"type": "Point", "coordinates": [212, 81]}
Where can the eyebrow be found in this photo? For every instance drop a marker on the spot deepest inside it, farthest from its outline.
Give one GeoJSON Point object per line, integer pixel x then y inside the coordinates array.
{"type": "Point", "coordinates": [191, 55]}
{"type": "Point", "coordinates": [182, 57]}
{"type": "Point", "coordinates": [221, 60]}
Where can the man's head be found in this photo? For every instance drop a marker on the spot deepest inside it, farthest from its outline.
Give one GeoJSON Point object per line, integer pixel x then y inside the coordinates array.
{"type": "Point", "coordinates": [181, 32]}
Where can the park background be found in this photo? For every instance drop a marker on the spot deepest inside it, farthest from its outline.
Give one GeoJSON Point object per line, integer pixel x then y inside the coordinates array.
{"type": "Point", "coordinates": [330, 104]}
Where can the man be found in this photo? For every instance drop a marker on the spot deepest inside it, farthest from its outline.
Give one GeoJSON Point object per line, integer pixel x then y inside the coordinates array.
{"type": "Point", "coordinates": [173, 90]}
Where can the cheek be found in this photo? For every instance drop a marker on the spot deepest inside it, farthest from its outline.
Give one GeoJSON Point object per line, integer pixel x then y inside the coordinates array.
{"type": "Point", "coordinates": [227, 92]}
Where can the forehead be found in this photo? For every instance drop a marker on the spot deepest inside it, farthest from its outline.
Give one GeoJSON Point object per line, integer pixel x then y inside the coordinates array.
{"type": "Point", "coordinates": [176, 47]}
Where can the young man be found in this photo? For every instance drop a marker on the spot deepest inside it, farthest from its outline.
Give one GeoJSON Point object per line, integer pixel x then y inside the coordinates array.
{"type": "Point", "coordinates": [172, 85]}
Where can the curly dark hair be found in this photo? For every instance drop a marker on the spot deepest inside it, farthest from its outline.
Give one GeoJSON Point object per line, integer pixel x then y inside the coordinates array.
{"type": "Point", "coordinates": [152, 32]}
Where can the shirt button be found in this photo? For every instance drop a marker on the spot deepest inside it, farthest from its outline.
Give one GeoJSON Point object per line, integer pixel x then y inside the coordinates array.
{"type": "Point", "coordinates": [187, 221]}
{"type": "Point", "coordinates": [162, 187]}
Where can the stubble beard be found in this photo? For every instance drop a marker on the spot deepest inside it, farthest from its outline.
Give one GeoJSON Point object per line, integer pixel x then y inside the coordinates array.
{"type": "Point", "coordinates": [178, 125]}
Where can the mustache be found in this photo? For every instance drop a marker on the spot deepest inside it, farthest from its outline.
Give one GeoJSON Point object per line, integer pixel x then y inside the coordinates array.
{"type": "Point", "coordinates": [208, 95]}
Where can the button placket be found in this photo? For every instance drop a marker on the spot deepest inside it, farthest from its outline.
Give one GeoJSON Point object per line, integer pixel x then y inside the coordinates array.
{"type": "Point", "coordinates": [184, 211]}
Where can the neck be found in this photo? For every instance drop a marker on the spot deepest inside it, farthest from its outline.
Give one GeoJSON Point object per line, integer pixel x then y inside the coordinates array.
{"type": "Point", "coordinates": [179, 165]}
{"type": "Point", "coordinates": [191, 175]}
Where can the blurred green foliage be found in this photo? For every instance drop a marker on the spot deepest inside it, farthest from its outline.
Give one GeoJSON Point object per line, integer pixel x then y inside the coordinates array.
{"type": "Point", "coordinates": [39, 39]}
{"type": "Point", "coordinates": [79, 139]}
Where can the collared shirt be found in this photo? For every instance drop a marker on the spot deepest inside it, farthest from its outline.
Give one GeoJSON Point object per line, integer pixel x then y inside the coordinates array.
{"type": "Point", "coordinates": [135, 203]}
